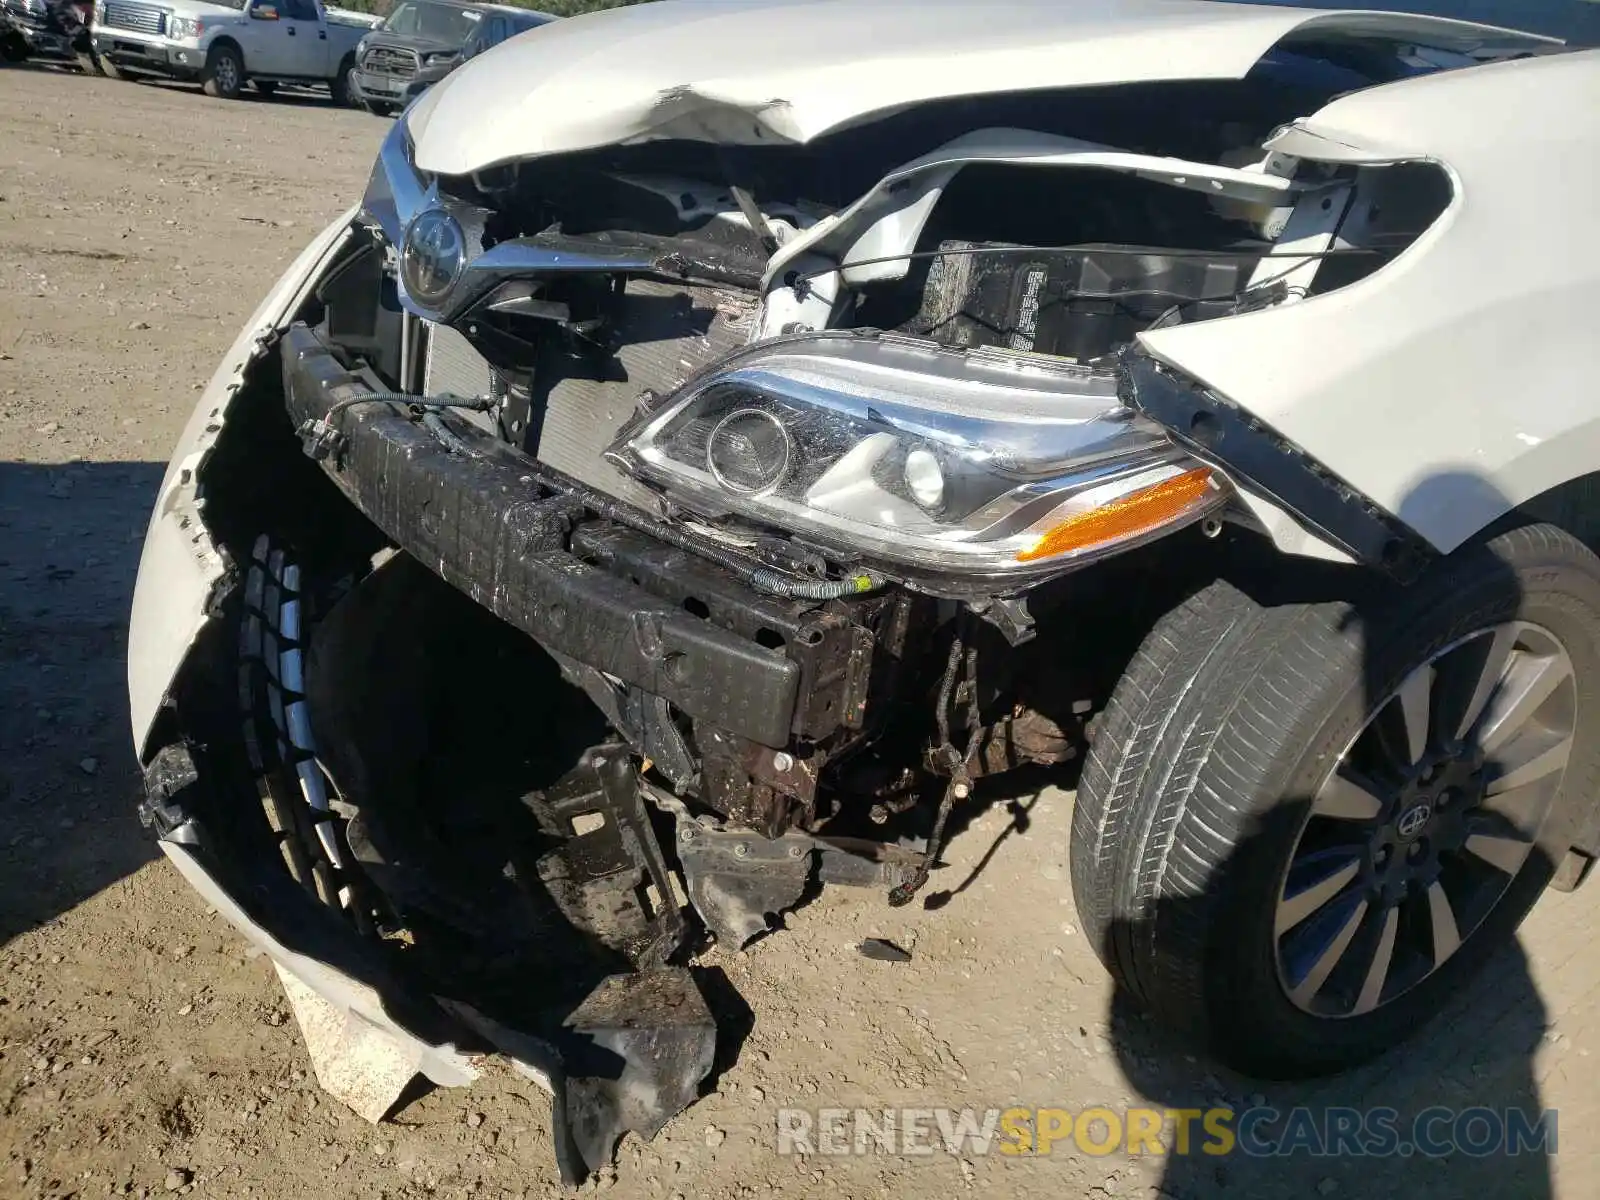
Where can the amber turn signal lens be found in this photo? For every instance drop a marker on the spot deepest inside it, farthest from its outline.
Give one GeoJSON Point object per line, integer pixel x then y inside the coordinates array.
{"type": "Point", "coordinates": [1137, 512]}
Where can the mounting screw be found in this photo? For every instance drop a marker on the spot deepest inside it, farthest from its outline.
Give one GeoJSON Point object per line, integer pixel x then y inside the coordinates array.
{"type": "Point", "coordinates": [783, 761]}
{"type": "Point", "coordinates": [740, 850]}
{"type": "Point", "coordinates": [797, 851]}
{"type": "Point", "coordinates": [961, 790]}
{"type": "Point", "coordinates": [686, 834]}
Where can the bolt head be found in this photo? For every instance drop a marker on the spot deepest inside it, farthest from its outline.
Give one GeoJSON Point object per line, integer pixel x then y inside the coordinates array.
{"type": "Point", "coordinates": [961, 791]}
{"type": "Point", "coordinates": [741, 850]}
{"type": "Point", "coordinates": [783, 761]}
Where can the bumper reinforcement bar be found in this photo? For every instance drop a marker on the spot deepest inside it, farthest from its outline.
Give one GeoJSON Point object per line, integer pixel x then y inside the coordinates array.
{"type": "Point", "coordinates": [474, 511]}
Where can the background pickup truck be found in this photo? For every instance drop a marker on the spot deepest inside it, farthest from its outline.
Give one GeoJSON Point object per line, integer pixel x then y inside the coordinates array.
{"type": "Point", "coordinates": [228, 42]}
{"type": "Point", "coordinates": [426, 39]}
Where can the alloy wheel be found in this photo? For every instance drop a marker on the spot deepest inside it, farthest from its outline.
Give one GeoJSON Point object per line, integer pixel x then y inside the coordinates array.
{"type": "Point", "coordinates": [1427, 817]}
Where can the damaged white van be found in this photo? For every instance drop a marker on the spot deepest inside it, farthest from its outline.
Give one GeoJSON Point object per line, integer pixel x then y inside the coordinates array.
{"type": "Point", "coordinates": [727, 439]}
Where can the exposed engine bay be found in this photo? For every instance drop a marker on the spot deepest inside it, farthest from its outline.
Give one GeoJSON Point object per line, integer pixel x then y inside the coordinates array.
{"type": "Point", "coordinates": [662, 529]}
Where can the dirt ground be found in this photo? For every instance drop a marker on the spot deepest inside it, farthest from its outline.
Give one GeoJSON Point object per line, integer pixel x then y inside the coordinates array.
{"type": "Point", "coordinates": [145, 1050]}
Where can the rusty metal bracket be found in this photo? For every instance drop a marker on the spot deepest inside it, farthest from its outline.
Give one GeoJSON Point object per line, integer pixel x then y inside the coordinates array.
{"type": "Point", "coordinates": [736, 879]}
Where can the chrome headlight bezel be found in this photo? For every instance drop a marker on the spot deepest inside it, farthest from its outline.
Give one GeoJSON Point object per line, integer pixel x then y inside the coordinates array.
{"type": "Point", "coordinates": [1036, 453]}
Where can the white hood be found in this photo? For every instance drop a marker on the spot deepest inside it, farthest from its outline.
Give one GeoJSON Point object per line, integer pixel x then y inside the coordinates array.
{"type": "Point", "coordinates": [199, 8]}
{"type": "Point", "coordinates": [753, 72]}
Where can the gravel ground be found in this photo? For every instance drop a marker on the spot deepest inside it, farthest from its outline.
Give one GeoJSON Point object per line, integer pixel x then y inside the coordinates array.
{"type": "Point", "coordinates": [146, 1050]}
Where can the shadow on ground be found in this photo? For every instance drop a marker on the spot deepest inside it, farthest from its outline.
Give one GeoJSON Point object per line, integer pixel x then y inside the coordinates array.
{"type": "Point", "coordinates": [70, 536]}
{"type": "Point", "coordinates": [1477, 1053]}
{"type": "Point", "coordinates": [1455, 1111]}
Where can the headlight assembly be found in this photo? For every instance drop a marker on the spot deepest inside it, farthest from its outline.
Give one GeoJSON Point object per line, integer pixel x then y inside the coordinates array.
{"type": "Point", "coordinates": [975, 463]}
{"type": "Point", "coordinates": [183, 29]}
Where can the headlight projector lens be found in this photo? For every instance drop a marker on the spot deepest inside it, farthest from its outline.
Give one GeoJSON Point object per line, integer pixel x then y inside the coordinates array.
{"type": "Point", "coordinates": [925, 478]}
{"type": "Point", "coordinates": [434, 256]}
{"type": "Point", "coordinates": [749, 451]}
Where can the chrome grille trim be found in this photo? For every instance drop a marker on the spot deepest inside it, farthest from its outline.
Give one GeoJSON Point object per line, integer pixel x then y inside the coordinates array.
{"type": "Point", "coordinates": [386, 60]}
{"type": "Point", "coordinates": [140, 18]}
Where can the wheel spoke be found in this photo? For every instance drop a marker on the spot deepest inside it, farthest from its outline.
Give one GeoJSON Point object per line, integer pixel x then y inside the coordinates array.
{"type": "Point", "coordinates": [1378, 972]}
{"type": "Point", "coordinates": [1431, 811]}
{"type": "Point", "coordinates": [1531, 680]}
{"type": "Point", "coordinates": [1490, 673]}
{"type": "Point", "coordinates": [1296, 908]}
{"type": "Point", "coordinates": [1446, 936]}
{"type": "Point", "coordinates": [1503, 853]}
{"type": "Point", "coordinates": [1546, 762]}
{"type": "Point", "coordinates": [1415, 708]}
{"type": "Point", "coordinates": [1347, 797]}
{"type": "Point", "coordinates": [1306, 990]}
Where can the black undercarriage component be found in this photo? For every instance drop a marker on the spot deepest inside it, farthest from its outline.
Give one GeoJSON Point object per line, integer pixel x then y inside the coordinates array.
{"type": "Point", "coordinates": [636, 1050]}
{"type": "Point", "coordinates": [1269, 464]}
{"type": "Point", "coordinates": [486, 524]}
{"type": "Point", "coordinates": [828, 643]}
{"type": "Point", "coordinates": [736, 880]}
{"type": "Point", "coordinates": [1079, 305]}
{"type": "Point", "coordinates": [627, 1058]}
{"type": "Point", "coordinates": [607, 874]}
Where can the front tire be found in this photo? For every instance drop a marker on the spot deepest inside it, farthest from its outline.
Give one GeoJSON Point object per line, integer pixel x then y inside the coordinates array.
{"type": "Point", "coordinates": [224, 73]}
{"type": "Point", "coordinates": [1303, 827]}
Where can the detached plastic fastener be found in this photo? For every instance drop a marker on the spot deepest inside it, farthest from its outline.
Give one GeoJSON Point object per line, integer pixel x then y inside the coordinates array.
{"type": "Point", "coordinates": [320, 439]}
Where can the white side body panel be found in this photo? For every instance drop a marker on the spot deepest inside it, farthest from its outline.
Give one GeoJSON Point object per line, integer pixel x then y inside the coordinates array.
{"type": "Point", "coordinates": [1460, 380]}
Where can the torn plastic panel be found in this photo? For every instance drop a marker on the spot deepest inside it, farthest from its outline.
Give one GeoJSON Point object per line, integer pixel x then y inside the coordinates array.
{"type": "Point", "coordinates": [181, 566]}
{"type": "Point", "coordinates": [870, 237]}
{"type": "Point", "coordinates": [626, 1058]}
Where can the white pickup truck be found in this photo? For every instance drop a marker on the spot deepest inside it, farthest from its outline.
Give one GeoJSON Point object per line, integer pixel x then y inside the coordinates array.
{"type": "Point", "coordinates": [226, 43]}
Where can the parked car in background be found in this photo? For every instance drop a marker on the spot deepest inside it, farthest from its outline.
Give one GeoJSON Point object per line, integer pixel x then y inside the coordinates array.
{"type": "Point", "coordinates": [498, 25]}
{"type": "Point", "coordinates": [228, 43]}
{"type": "Point", "coordinates": [48, 30]}
{"type": "Point", "coordinates": [419, 35]}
